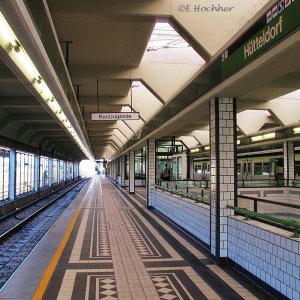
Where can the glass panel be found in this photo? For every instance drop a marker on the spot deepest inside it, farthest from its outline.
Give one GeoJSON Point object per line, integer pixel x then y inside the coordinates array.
{"type": "Point", "coordinates": [54, 171]}
{"type": "Point", "coordinates": [24, 172]}
{"type": "Point", "coordinates": [4, 173]}
{"type": "Point", "coordinates": [44, 172]}
{"type": "Point", "coordinates": [61, 171]}
{"type": "Point", "coordinates": [69, 170]}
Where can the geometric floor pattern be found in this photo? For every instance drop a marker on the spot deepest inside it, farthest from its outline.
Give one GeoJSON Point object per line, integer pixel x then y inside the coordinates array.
{"type": "Point", "coordinates": [119, 249]}
{"type": "Point", "coordinates": [106, 288]}
{"type": "Point", "coordinates": [164, 288]}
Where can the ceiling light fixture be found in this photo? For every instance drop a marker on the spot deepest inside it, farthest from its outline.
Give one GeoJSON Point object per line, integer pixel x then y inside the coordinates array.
{"type": "Point", "coordinates": [14, 49]}
{"type": "Point", "coordinates": [195, 150]}
{"type": "Point", "coordinates": [296, 130]}
{"type": "Point", "coordinates": [262, 137]}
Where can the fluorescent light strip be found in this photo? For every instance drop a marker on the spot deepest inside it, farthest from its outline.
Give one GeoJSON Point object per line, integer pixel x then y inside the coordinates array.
{"type": "Point", "coordinates": [296, 130]}
{"type": "Point", "coordinates": [12, 46]}
{"type": "Point", "coordinates": [195, 150]}
{"type": "Point", "coordinates": [262, 137]}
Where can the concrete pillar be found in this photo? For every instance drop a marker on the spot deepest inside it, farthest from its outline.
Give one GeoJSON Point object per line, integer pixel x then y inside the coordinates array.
{"type": "Point", "coordinates": [223, 171]}
{"type": "Point", "coordinates": [50, 171]}
{"type": "Point", "coordinates": [289, 163]}
{"type": "Point", "coordinates": [131, 172]}
{"type": "Point", "coordinates": [115, 170]}
{"type": "Point", "coordinates": [151, 171]}
{"type": "Point", "coordinates": [36, 172]}
{"type": "Point", "coordinates": [12, 174]}
{"type": "Point", "coordinates": [123, 170]}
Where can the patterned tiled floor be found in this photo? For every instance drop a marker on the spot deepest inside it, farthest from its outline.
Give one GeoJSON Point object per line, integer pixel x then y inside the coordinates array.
{"type": "Point", "coordinates": [120, 250]}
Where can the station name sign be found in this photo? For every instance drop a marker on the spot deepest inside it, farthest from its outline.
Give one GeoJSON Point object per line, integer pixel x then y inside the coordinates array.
{"type": "Point", "coordinates": [279, 21]}
{"type": "Point", "coordinates": [115, 116]}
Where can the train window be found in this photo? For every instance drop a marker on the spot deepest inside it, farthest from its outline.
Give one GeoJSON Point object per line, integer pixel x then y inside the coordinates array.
{"type": "Point", "coordinates": [258, 168]}
{"type": "Point", "coordinates": [198, 169]}
{"type": "Point", "coordinates": [266, 168]}
{"type": "Point", "coordinates": [297, 168]}
{"type": "Point", "coordinates": [238, 168]}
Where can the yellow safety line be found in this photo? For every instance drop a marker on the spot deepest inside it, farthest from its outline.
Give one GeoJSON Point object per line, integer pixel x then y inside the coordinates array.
{"type": "Point", "coordinates": [47, 276]}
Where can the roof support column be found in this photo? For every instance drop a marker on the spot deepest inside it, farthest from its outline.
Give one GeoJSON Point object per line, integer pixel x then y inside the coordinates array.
{"type": "Point", "coordinates": [115, 169]}
{"type": "Point", "coordinates": [131, 172]}
{"type": "Point", "coordinates": [289, 163]}
{"type": "Point", "coordinates": [223, 189]}
{"type": "Point", "coordinates": [65, 170]}
{"type": "Point", "coordinates": [150, 171]}
{"type": "Point", "coordinates": [123, 171]}
{"type": "Point", "coordinates": [109, 169]}
{"type": "Point", "coordinates": [36, 172]}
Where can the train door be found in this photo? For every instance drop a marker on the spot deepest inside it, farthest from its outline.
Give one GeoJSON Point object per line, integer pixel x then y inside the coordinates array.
{"type": "Point", "coordinates": [247, 168]}
{"type": "Point", "coordinates": [276, 168]}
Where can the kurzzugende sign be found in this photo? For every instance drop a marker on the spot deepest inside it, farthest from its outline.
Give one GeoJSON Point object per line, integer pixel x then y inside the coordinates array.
{"type": "Point", "coordinates": [120, 116]}
{"type": "Point", "coordinates": [283, 20]}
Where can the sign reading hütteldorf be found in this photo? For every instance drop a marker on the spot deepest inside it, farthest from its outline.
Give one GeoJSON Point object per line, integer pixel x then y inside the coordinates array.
{"type": "Point", "coordinates": [115, 116]}
{"type": "Point", "coordinates": [279, 21]}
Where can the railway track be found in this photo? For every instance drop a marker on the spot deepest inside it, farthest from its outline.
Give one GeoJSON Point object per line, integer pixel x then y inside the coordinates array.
{"type": "Point", "coordinates": [20, 232]}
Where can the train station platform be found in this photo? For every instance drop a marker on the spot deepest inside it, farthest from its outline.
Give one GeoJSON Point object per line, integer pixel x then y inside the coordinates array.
{"type": "Point", "coordinates": [108, 245]}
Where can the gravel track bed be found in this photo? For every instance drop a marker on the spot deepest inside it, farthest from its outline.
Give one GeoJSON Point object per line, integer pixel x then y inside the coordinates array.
{"type": "Point", "coordinates": [15, 248]}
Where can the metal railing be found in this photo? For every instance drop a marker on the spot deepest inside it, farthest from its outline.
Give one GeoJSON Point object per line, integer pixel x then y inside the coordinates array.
{"type": "Point", "coordinates": [199, 198]}
{"type": "Point", "coordinates": [268, 183]}
{"type": "Point", "coordinates": [257, 200]}
{"type": "Point", "coordinates": [185, 182]}
{"type": "Point", "coordinates": [286, 224]}
{"type": "Point", "coordinates": [191, 187]}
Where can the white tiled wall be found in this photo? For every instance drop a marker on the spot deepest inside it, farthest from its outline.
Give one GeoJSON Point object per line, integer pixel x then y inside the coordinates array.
{"type": "Point", "coordinates": [222, 147]}
{"type": "Point", "coordinates": [131, 172]}
{"type": "Point", "coordinates": [289, 160]}
{"type": "Point", "coordinates": [123, 170]}
{"type": "Point", "coordinates": [150, 171]}
{"type": "Point", "coordinates": [193, 217]}
{"type": "Point", "coordinates": [267, 252]}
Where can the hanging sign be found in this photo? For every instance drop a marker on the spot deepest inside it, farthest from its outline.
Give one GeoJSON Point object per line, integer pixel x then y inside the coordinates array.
{"type": "Point", "coordinates": [115, 116]}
